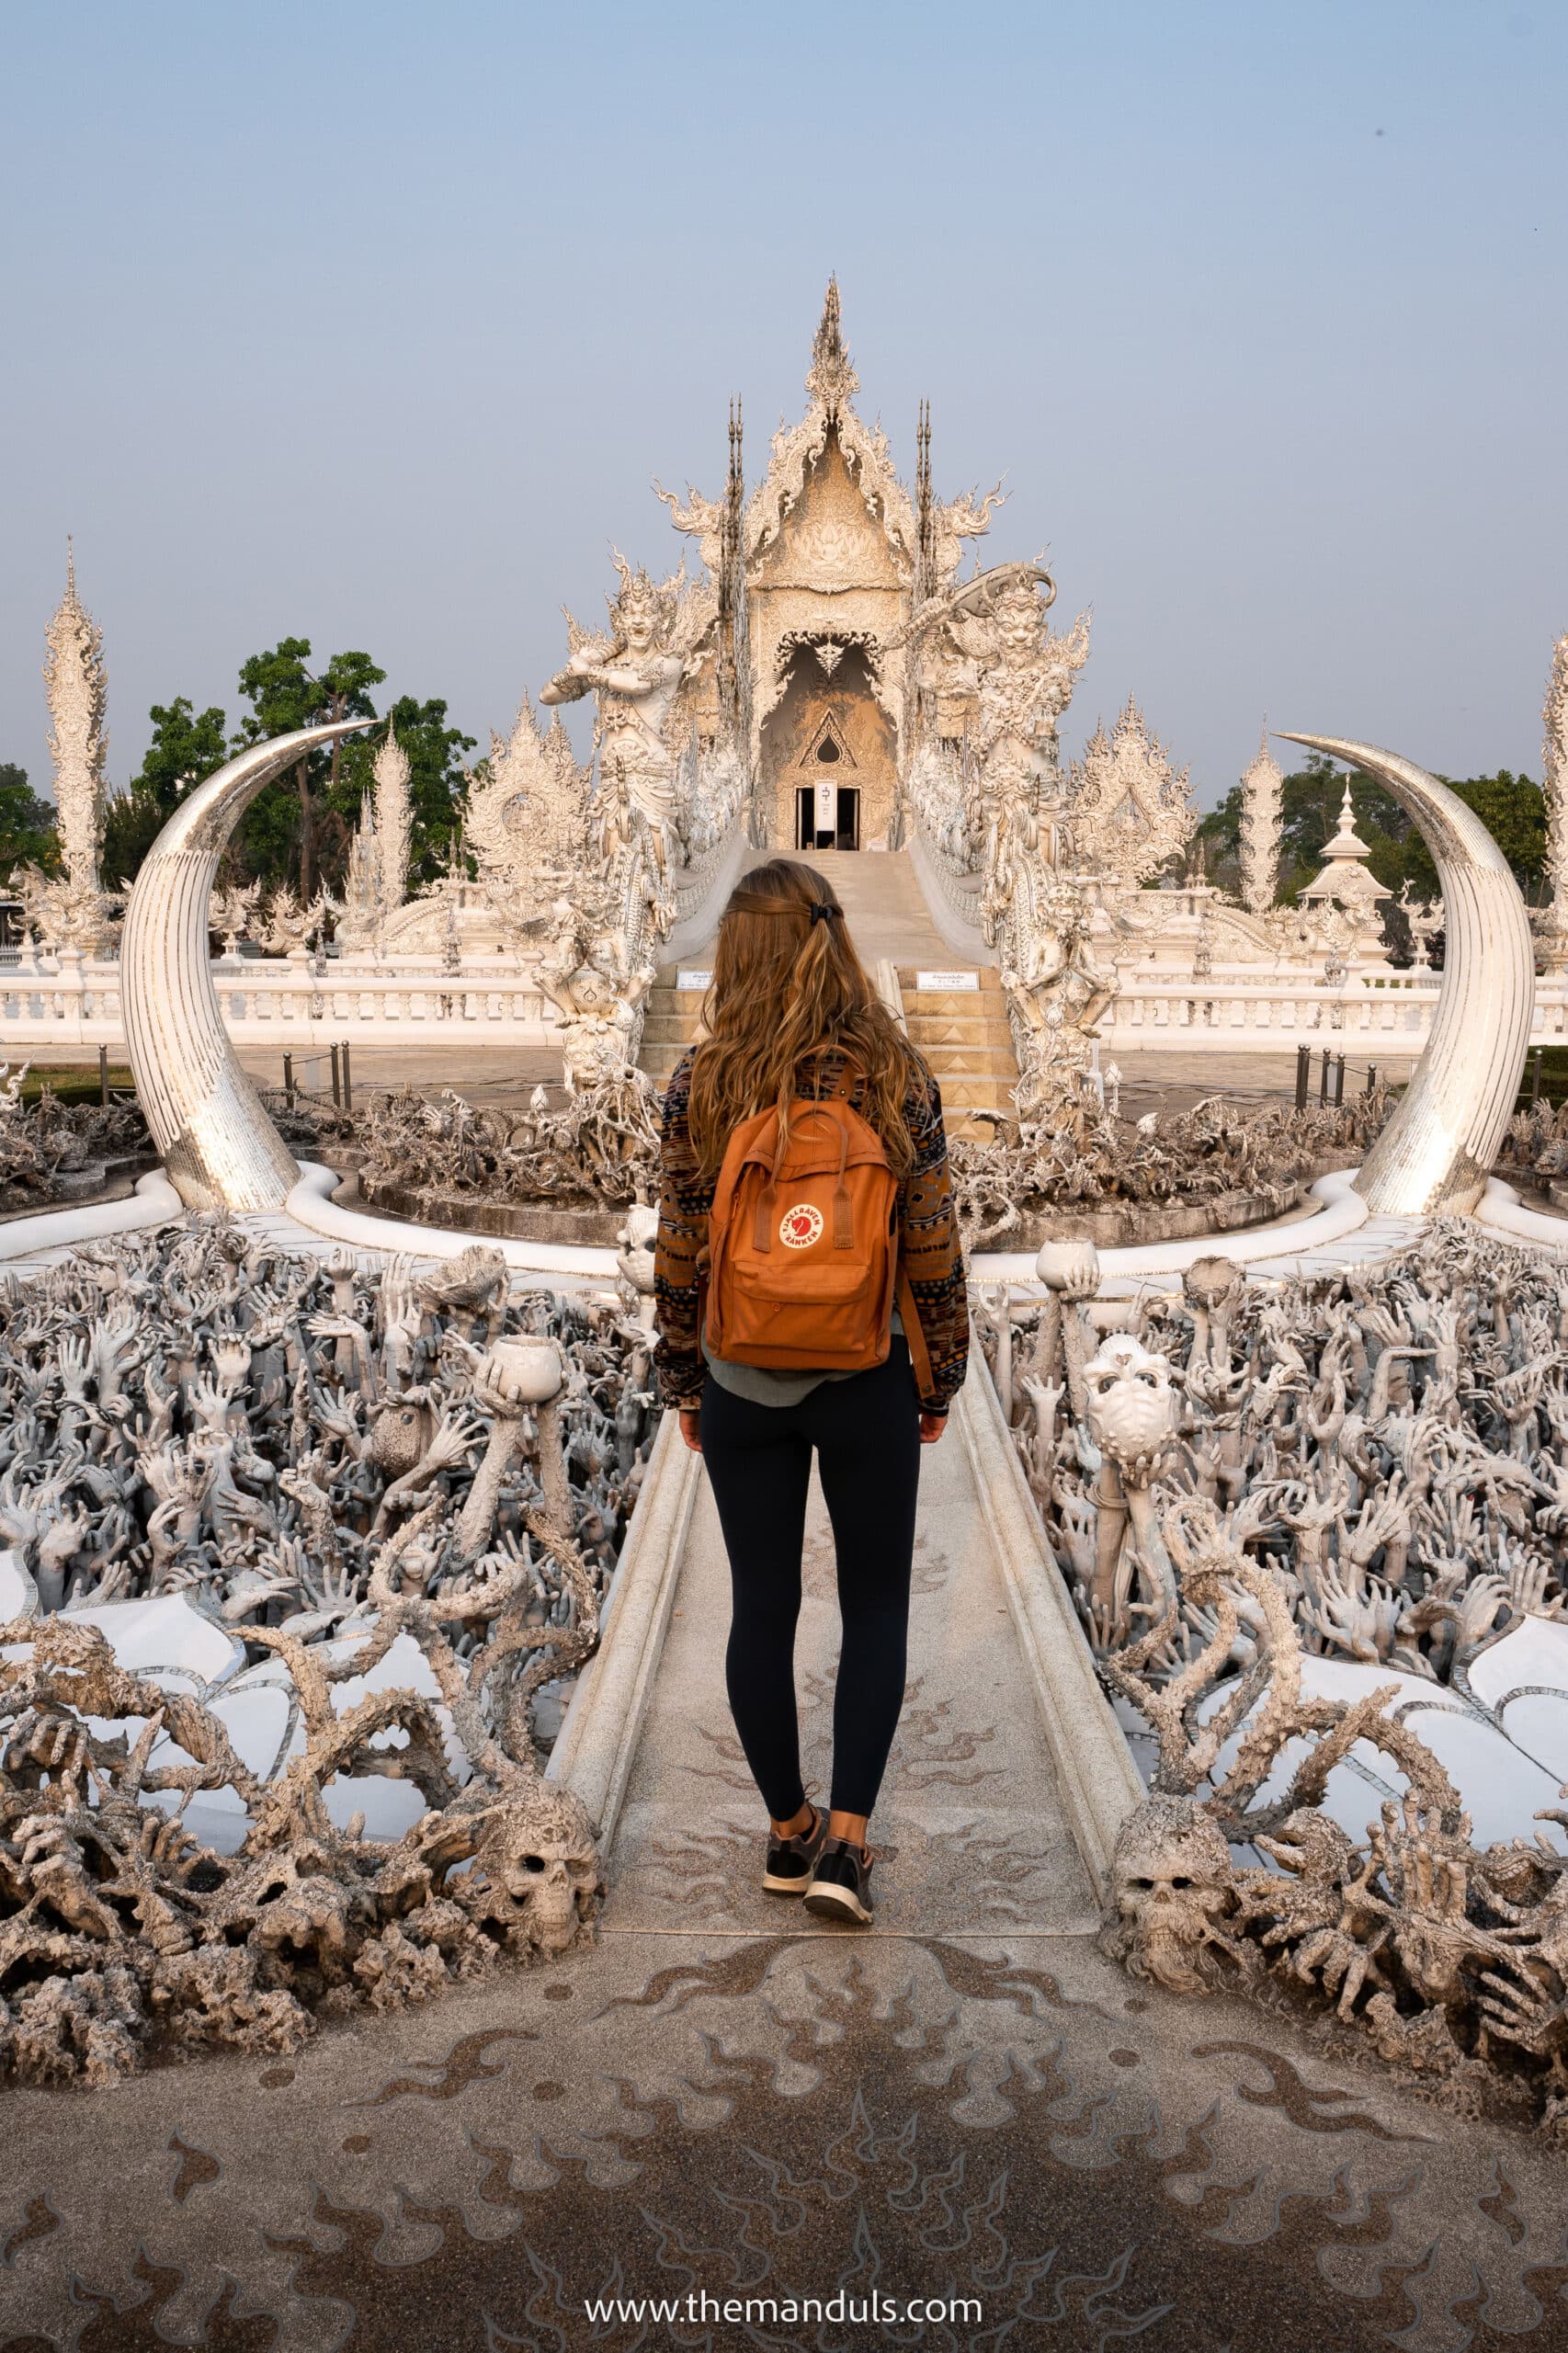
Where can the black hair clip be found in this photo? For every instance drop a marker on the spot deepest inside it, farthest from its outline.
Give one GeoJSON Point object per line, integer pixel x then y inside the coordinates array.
{"type": "Point", "coordinates": [823, 913]}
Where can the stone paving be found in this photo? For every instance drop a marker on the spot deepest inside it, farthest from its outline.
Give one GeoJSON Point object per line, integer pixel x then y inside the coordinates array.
{"type": "Point", "coordinates": [719, 2101]}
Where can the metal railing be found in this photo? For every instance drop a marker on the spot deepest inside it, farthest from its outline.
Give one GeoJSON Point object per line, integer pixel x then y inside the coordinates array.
{"type": "Point", "coordinates": [1331, 1078]}
{"type": "Point", "coordinates": [342, 1082]}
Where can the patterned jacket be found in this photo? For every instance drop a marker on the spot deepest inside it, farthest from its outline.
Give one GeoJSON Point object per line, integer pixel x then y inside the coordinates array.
{"type": "Point", "coordinates": [929, 1249]}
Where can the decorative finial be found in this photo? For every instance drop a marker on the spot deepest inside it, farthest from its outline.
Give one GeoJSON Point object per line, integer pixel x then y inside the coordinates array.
{"type": "Point", "coordinates": [70, 570]}
{"type": "Point", "coordinates": [830, 335]}
{"type": "Point", "coordinates": [830, 376]}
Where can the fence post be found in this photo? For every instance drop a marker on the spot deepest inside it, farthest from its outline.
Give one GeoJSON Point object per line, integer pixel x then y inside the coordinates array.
{"type": "Point", "coordinates": [348, 1082]}
{"type": "Point", "coordinates": [289, 1081]}
{"type": "Point", "coordinates": [1534, 1076]}
{"type": "Point", "coordinates": [1371, 1085]}
{"type": "Point", "coordinates": [1303, 1074]}
{"type": "Point", "coordinates": [1322, 1079]}
{"type": "Point", "coordinates": [1338, 1081]}
{"type": "Point", "coordinates": [337, 1083]}
{"type": "Point", "coordinates": [102, 1073]}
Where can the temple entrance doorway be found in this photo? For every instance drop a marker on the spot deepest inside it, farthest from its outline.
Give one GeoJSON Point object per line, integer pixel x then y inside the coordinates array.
{"type": "Point", "coordinates": [827, 816]}
{"type": "Point", "coordinates": [827, 752]}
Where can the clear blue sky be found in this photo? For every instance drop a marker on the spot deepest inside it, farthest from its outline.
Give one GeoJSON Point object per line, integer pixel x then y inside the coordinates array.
{"type": "Point", "coordinates": [370, 323]}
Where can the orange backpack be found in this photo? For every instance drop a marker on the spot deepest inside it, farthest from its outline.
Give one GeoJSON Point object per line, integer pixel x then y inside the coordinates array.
{"type": "Point", "coordinates": [804, 1242]}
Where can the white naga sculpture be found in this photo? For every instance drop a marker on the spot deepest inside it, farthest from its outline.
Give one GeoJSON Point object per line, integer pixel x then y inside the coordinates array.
{"type": "Point", "coordinates": [592, 973]}
{"type": "Point", "coordinates": [636, 672]}
{"type": "Point", "coordinates": [72, 909]}
{"type": "Point", "coordinates": [1037, 920]}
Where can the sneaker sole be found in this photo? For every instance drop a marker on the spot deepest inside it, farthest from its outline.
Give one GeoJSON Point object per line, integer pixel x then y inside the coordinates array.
{"type": "Point", "coordinates": [833, 1903]}
{"type": "Point", "coordinates": [771, 1886]}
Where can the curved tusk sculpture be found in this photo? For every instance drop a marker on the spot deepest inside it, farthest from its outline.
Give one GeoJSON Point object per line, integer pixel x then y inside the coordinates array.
{"type": "Point", "coordinates": [1437, 1152]}
{"type": "Point", "coordinates": [219, 1147]}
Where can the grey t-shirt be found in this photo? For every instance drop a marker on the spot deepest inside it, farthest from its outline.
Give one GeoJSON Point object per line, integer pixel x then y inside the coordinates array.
{"type": "Point", "coordinates": [764, 1387]}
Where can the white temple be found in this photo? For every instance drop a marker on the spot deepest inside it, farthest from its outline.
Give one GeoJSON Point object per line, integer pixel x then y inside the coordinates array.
{"type": "Point", "coordinates": [817, 676]}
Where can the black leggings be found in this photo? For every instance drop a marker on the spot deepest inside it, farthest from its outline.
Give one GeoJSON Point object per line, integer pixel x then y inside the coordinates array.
{"type": "Point", "coordinates": [867, 1435]}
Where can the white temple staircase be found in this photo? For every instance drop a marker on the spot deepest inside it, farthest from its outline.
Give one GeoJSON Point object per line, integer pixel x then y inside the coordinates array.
{"type": "Point", "coordinates": [961, 1032]}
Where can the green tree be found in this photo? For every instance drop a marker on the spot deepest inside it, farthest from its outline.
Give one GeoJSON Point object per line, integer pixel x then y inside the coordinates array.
{"type": "Point", "coordinates": [345, 686]}
{"type": "Point", "coordinates": [187, 746]}
{"type": "Point", "coordinates": [276, 830]}
{"type": "Point", "coordinates": [284, 695]}
{"type": "Point", "coordinates": [26, 824]}
{"type": "Point", "coordinates": [435, 782]}
{"type": "Point", "coordinates": [1220, 838]}
{"type": "Point", "coordinates": [1512, 810]}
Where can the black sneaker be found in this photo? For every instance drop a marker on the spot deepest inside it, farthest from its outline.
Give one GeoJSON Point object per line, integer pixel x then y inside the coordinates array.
{"type": "Point", "coordinates": [790, 1861]}
{"type": "Point", "coordinates": [841, 1883]}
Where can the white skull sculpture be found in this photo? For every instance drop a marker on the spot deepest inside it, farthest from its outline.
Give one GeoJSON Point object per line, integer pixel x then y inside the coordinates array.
{"type": "Point", "coordinates": [536, 1880]}
{"type": "Point", "coordinates": [1132, 1408]}
{"type": "Point", "coordinates": [1172, 1880]}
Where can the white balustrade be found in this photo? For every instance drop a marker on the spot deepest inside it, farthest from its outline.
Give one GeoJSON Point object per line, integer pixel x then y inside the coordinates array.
{"type": "Point", "coordinates": [49, 1003]}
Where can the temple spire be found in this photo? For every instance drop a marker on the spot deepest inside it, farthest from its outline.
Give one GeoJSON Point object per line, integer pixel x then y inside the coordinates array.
{"type": "Point", "coordinates": [1552, 923]}
{"type": "Point", "coordinates": [925, 516]}
{"type": "Point", "coordinates": [830, 378]}
{"type": "Point", "coordinates": [393, 819]}
{"type": "Point", "coordinates": [71, 909]}
{"type": "Point", "coordinates": [829, 341]}
{"type": "Point", "coordinates": [78, 741]}
{"type": "Point", "coordinates": [1262, 788]}
{"type": "Point", "coordinates": [733, 699]}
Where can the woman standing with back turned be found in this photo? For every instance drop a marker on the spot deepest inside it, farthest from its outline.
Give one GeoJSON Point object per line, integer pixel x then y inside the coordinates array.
{"type": "Point", "coordinates": [809, 1296]}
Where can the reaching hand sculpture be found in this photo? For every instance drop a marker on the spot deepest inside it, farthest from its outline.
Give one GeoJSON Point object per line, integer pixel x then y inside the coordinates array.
{"type": "Point", "coordinates": [219, 1147]}
{"type": "Point", "coordinates": [1317, 1535]}
{"type": "Point", "coordinates": [389, 1500]}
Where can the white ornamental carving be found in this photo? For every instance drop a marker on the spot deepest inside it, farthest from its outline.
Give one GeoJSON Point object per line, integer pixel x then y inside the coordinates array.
{"type": "Point", "coordinates": [525, 819]}
{"type": "Point", "coordinates": [71, 909]}
{"type": "Point", "coordinates": [377, 881]}
{"type": "Point", "coordinates": [1552, 923]}
{"type": "Point", "coordinates": [1262, 786]}
{"type": "Point", "coordinates": [1128, 809]}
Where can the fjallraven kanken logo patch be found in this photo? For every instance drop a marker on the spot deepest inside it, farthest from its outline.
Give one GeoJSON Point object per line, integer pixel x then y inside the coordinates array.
{"type": "Point", "coordinates": [801, 1226]}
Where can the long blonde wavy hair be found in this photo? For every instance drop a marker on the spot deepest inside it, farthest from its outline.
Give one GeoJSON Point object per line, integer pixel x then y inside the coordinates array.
{"type": "Point", "coordinates": [788, 985]}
